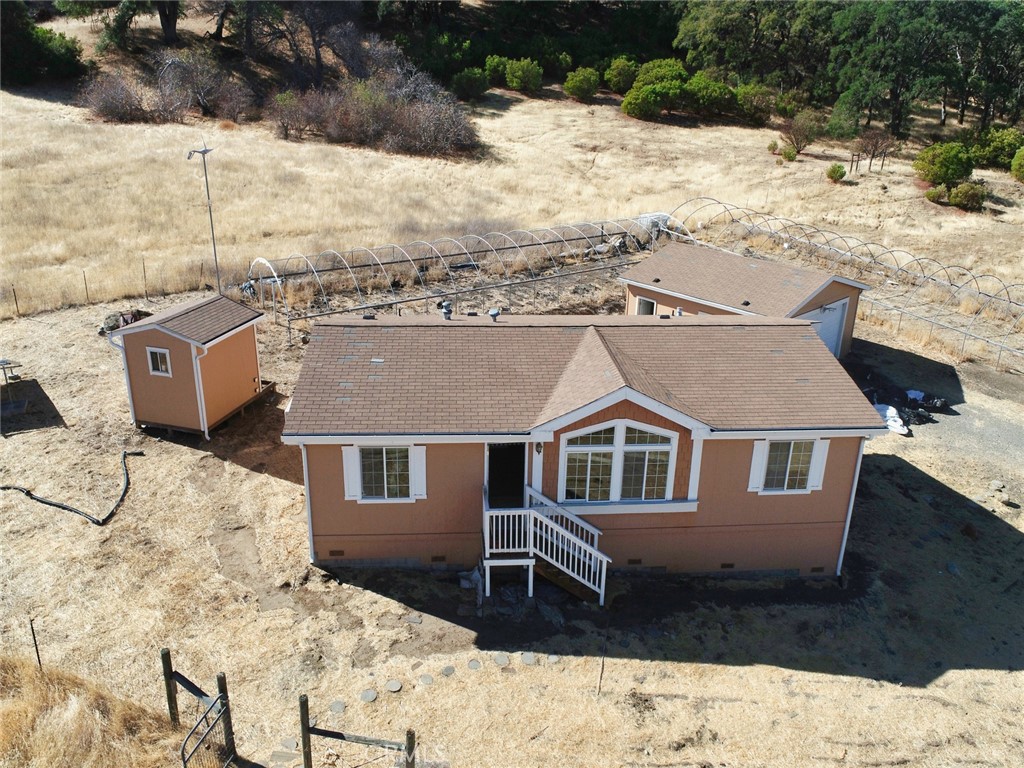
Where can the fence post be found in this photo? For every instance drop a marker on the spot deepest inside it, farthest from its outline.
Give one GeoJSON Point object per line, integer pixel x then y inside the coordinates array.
{"type": "Point", "coordinates": [307, 750]}
{"type": "Point", "coordinates": [145, 283]}
{"type": "Point", "coordinates": [229, 731]}
{"type": "Point", "coordinates": [410, 748]}
{"type": "Point", "coordinates": [170, 686]}
{"type": "Point", "coordinates": [86, 281]}
{"type": "Point", "coordinates": [32, 627]}
{"type": "Point", "coordinates": [17, 309]}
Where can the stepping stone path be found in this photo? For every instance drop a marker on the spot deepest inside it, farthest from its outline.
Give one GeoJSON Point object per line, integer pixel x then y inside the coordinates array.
{"type": "Point", "coordinates": [290, 744]}
{"type": "Point", "coordinates": [338, 707]}
{"type": "Point", "coordinates": [394, 686]}
{"type": "Point", "coordinates": [368, 695]}
{"type": "Point", "coordinates": [474, 664]}
{"type": "Point", "coordinates": [426, 680]}
{"type": "Point", "coordinates": [412, 618]}
{"type": "Point", "coordinates": [529, 658]}
{"type": "Point", "coordinates": [448, 671]}
{"type": "Point", "coordinates": [501, 659]}
{"type": "Point", "coordinates": [553, 659]}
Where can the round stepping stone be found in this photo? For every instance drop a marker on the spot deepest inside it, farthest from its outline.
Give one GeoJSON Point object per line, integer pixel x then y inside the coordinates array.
{"type": "Point", "coordinates": [337, 707]}
{"type": "Point", "coordinates": [394, 686]}
{"type": "Point", "coordinates": [291, 744]}
{"type": "Point", "coordinates": [412, 618]}
{"type": "Point", "coordinates": [368, 695]}
{"type": "Point", "coordinates": [474, 664]}
{"type": "Point", "coordinates": [448, 671]}
{"type": "Point", "coordinates": [529, 658]}
{"type": "Point", "coordinates": [553, 659]}
{"type": "Point", "coordinates": [501, 659]}
{"type": "Point", "coordinates": [426, 679]}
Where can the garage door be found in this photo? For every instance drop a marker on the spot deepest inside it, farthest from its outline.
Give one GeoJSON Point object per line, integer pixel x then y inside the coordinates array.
{"type": "Point", "coordinates": [829, 322]}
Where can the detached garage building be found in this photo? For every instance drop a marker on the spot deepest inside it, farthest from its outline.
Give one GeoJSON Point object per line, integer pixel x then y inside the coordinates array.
{"type": "Point", "coordinates": [192, 366]}
{"type": "Point", "coordinates": [685, 279]}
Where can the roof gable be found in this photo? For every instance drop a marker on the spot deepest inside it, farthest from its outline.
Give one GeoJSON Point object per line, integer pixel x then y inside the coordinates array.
{"type": "Point", "coordinates": [198, 322]}
{"type": "Point", "coordinates": [426, 376]}
{"type": "Point", "coordinates": [729, 280]}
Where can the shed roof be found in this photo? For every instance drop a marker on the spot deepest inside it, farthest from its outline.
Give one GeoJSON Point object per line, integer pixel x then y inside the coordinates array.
{"type": "Point", "coordinates": [424, 375]}
{"type": "Point", "coordinates": [757, 286]}
{"type": "Point", "coordinates": [200, 322]}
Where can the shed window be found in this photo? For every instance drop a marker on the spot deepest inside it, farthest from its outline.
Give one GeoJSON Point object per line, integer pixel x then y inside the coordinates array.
{"type": "Point", "coordinates": [159, 361]}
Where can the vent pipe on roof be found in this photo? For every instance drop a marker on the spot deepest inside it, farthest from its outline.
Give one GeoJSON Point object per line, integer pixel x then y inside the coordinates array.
{"type": "Point", "coordinates": [446, 310]}
{"type": "Point", "coordinates": [494, 314]}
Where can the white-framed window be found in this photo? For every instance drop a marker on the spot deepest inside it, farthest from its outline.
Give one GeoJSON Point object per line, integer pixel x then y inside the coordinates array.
{"type": "Point", "coordinates": [788, 466]}
{"type": "Point", "coordinates": [645, 306]}
{"type": "Point", "coordinates": [617, 461]}
{"type": "Point", "coordinates": [384, 473]}
{"type": "Point", "coordinates": [159, 361]}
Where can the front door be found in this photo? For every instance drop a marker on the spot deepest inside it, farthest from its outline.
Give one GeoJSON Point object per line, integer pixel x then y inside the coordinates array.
{"type": "Point", "coordinates": [506, 475]}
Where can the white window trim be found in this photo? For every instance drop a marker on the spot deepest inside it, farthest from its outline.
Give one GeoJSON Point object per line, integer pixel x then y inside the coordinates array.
{"type": "Point", "coordinates": [652, 302]}
{"type": "Point", "coordinates": [149, 360]}
{"type": "Point", "coordinates": [815, 475]}
{"type": "Point", "coordinates": [353, 474]}
{"type": "Point", "coordinates": [617, 449]}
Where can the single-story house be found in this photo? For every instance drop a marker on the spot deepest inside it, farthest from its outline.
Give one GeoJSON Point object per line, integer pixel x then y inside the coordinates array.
{"type": "Point", "coordinates": [684, 444]}
{"type": "Point", "coordinates": [687, 279]}
{"type": "Point", "coordinates": [192, 366]}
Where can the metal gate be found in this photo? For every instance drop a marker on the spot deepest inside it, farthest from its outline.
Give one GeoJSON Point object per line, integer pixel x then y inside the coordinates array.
{"type": "Point", "coordinates": [211, 741]}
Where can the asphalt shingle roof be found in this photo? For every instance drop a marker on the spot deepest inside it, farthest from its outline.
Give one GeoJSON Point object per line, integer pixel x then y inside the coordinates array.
{"type": "Point", "coordinates": [770, 288]}
{"type": "Point", "coordinates": [424, 375]}
{"type": "Point", "coordinates": [199, 321]}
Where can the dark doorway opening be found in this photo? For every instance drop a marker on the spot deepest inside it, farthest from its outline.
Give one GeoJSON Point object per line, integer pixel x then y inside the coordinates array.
{"type": "Point", "coordinates": [506, 475]}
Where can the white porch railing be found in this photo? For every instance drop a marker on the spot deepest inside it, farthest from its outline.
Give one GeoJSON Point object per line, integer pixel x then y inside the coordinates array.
{"type": "Point", "coordinates": [551, 532]}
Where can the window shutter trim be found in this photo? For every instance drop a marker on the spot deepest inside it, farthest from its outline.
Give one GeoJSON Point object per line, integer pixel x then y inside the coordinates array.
{"type": "Point", "coordinates": [351, 473]}
{"type": "Point", "coordinates": [817, 470]}
{"type": "Point", "coordinates": [757, 465]}
{"type": "Point", "coordinates": [418, 471]}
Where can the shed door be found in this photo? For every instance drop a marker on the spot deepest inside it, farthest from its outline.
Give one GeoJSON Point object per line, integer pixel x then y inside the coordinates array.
{"type": "Point", "coordinates": [831, 319]}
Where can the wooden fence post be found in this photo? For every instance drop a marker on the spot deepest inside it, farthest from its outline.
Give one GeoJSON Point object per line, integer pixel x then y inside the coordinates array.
{"type": "Point", "coordinates": [17, 309]}
{"type": "Point", "coordinates": [229, 731]}
{"type": "Point", "coordinates": [35, 644]}
{"type": "Point", "coordinates": [86, 281]}
{"type": "Point", "coordinates": [170, 686]}
{"type": "Point", "coordinates": [307, 750]}
{"type": "Point", "coordinates": [145, 283]}
{"type": "Point", "coordinates": [410, 748]}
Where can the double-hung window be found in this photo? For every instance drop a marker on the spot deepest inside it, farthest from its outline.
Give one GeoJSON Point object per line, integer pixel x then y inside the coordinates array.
{"type": "Point", "coordinates": [159, 361]}
{"type": "Point", "coordinates": [384, 473]}
{"type": "Point", "coordinates": [788, 466]}
{"type": "Point", "coordinates": [623, 461]}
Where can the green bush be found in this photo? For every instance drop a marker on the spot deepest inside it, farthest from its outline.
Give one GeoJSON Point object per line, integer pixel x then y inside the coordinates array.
{"type": "Point", "coordinates": [996, 147]}
{"type": "Point", "coordinates": [524, 75]}
{"type": "Point", "coordinates": [788, 104]}
{"type": "Point", "coordinates": [844, 122]}
{"type": "Point", "coordinates": [495, 68]}
{"type": "Point", "coordinates": [706, 96]}
{"type": "Point", "coordinates": [804, 129]}
{"type": "Point", "coordinates": [29, 53]}
{"type": "Point", "coordinates": [1017, 166]}
{"type": "Point", "coordinates": [659, 71]}
{"type": "Point", "coordinates": [470, 84]}
{"type": "Point", "coordinates": [936, 194]}
{"type": "Point", "coordinates": [773, 146]}
{"type": "Point", "coordinates": [642, 102]}
{"type": "Point", "coordinates": [788, 153]}
{"type": "Point", "coordinates": [621, 74]}
{"type": "Point", "coordinates": [944, 163]}
{"type": "Point", "coordinates": [755, 103]}
{"type": "Point", "coordinates": [835, 173]}
{"type": "Point", "coordinates": [968, 196]}
{"type": "Point", "coordinates": [582, 84]}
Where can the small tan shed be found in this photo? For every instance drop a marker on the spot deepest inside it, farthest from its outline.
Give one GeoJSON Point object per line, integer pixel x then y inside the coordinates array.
{"type": "Point", "coordinates": [192, 366]}
{"type": "Point", "coordinates": [687, 279]}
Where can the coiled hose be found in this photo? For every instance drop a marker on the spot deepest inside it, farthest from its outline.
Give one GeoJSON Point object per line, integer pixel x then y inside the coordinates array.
{"type": "Point", "coordinates": [94, 520]}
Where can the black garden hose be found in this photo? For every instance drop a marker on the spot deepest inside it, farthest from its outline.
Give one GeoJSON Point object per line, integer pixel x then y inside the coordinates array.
{"type": "Point", "coordinates": [94, 520]}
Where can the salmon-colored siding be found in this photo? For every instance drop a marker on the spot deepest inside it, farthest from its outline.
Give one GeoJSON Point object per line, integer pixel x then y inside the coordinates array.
{"type": "Point", "coordinates": [446, 524]}
{"type": "Point", "coordinates": [667, 305]}
{"type": "Point", "coordinates": [230, 374]}
{"type": "Point", "coordinates": [169, 401]}
{"type": "Point", "coordinates": [837, 292]}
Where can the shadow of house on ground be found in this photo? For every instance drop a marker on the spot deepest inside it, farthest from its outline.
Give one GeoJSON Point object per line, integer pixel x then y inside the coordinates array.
{"type": "Point", "coordinates": [25, 406]}
{"type": "Point", "coordinates": [874, 365]}
{"type": "Point", "coordinates": [249, 439]}
{"type": "Point", "coordinates": [934, 582]}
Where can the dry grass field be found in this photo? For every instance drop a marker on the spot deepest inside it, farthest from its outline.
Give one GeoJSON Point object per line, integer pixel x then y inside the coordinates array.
{"type": "Point", "coordinates": [918, 661]}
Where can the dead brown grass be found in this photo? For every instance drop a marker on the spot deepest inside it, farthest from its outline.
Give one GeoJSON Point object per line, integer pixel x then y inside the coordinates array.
{"type": "Point", "coordinates": [53, 719]}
